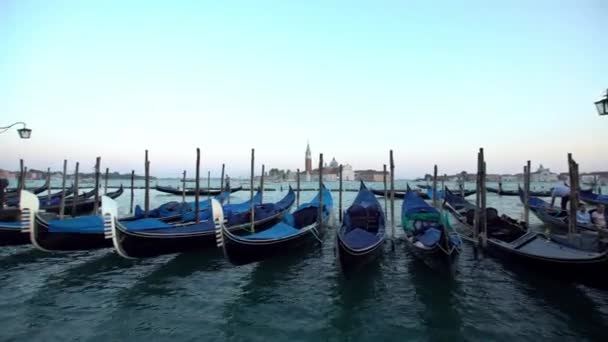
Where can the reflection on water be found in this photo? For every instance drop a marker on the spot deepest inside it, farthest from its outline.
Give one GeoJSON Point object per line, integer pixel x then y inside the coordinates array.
{"type": "Point", "coordinates": [97, 296]}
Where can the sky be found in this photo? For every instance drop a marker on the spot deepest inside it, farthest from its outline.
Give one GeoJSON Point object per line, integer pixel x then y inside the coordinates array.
{"type": "Point", "coordinates": [432, 80]}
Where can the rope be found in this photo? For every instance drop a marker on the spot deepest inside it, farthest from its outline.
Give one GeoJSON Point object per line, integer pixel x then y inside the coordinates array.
{"type": "Point", "coordinates": [315, 233]}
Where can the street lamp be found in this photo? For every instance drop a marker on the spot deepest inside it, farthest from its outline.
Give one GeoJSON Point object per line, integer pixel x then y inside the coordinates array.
{"type": "Point", "coordinates": [24, 133]}
{"type": "Point", "coordinates": [602, 105]}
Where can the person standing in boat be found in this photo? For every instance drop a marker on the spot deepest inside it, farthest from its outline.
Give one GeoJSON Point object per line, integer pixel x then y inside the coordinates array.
{"type": "Point", "coordinates": [599, 217]}
{"type": "Point", "coordinates": [582, 216]}
{"type": "Point", "coordinates": [227, 183]}
{"type": "Point", "coordinates": [562, 191]}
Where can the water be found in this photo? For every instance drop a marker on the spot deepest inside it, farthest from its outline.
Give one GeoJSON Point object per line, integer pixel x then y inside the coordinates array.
{"type": "Point", "coordinates": [97, 296]}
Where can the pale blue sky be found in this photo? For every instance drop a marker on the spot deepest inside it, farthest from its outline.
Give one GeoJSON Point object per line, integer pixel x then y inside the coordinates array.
{"type": "Point", "coordinates": [432, 80]}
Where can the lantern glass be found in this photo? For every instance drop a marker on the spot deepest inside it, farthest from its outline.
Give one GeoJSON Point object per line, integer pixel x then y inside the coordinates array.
{"type": "Point", "coordinates": [25, 133]}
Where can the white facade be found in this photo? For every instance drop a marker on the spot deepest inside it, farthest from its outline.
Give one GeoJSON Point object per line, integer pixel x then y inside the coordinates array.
{"type": "Point", "coordinates": [543, 175]}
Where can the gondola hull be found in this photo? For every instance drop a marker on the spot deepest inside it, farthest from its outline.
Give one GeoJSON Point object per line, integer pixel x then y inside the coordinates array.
{"type": "Point", "coordinates": [437, 259]}
{"type": "Point", "coordinates": [148, 244]}
{"type": "Point", "coordinates": [45, 240]}
{"type": "Point", "coordinates": [13, 237]}
{"type": "Point", "coordinates": [352, 260]}
{"type": "Point", "coordinates": [591, 271]}
{"type": "Point", "coordinates": [516, 193]}
{"type": "Point", "coordinates": [241, 252]}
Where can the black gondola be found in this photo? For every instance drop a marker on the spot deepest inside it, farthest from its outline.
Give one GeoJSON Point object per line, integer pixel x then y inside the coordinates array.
{"type": "Point", "coordinates": [360, 239]}
{"type": "Point", "coordinates": [502, 192]}
{"type": "Point", "coordinates": [399, 194]}
{"type": "Point", "coordinates": [428, 234]}
{"type": "Point", "coordinates": [509, 240]}
{"type": "Point", "coordinates": [597, 199]}
{"type": "Point", "coordinates": [36, 191]}
{"type": "Point", "coordinates": [151, 237]}
{"type": "Point", "coordinates": [286, 237]}
{"type": "Point", "coordinates": [192, 192]}
{"type": "Point", "coordinates": [551, 216]}
{"type": "Point", "coordinates": [84, 205]}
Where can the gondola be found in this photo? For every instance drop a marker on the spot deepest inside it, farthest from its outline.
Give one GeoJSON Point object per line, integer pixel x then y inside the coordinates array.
{"type": "Point", "coordinates": [360, 239]}
{"type": "Point", "coordinates": [501, 192]}
{"type": "Point", "coordinates": [44, 199]}
{"type": "Point", "coordinates": [428, 235]}
{"type": "Point", "coordinates": [192, 192]}
{"type": "Point", "coordinates": [84, 206]}
{"type": "Point", "coordinates": [552, 216]}
{"type": "Point", "coordinates": [296, 230]}
{"type": "Point", "coordinates": [399, 194]}
{"type": "Point", "coordinates": [11, 231]}
{"type": "Point", "coordinates": [424, 187]}
{"type": "Point", "coordinates": [77, 233]}
{"type": "Point", "coordinates": [510, 241]}
{"type": "Point", "coordinates": [151, 237]}
{"type": "Point", "coordinates": [588, 196]}
{"type": "Point", "coordinates": [36, 191]}
{"type": "Point", "coordinates": [174, 210]}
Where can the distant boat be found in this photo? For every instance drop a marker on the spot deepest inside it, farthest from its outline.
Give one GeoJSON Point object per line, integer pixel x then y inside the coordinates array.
{"type": "Point", "coordinates": [510, 240]}
{"type": "Point", "coordinates": [589, 197]}
{"type": "Point", "coordinates": [151, 237]}
{"type": "Point", "coordinates": [36, 191]}
{"type": "Point", "coordinates": [427, 234]}
{"type": "Point", "coordinates": [296, 230]}
{"type": "Point", "coordinates": [192, 192]}
{"type": "Point", "coordinates": [516, 193]}
{"type": "Point", "coordinates": [361, 237]}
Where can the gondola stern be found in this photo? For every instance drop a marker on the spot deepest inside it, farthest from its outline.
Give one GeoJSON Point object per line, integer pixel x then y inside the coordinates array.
{"type": "Point", "coordinates": [29, 206]}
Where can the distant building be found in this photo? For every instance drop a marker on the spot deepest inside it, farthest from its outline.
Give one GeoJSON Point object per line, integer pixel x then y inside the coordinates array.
{"type": "Point", "coordinates": [543, 175]}
{"type": "Point", "coordinates": [371, 175]}
{"type": "Point", "coordinates": [331, 172]}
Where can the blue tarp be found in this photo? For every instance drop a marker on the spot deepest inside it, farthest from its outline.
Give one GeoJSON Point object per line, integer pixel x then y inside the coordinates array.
{"type": "Point", "coordinates": [430, 237]}
{"type": "Point", "coordinates": [279, 230]}
{"type": "Point", "coordinates": [92, 224]}
{"type": "Point", "coordinates": [359, 238]}
{"type": "Point", "coordinates": [413, 204]}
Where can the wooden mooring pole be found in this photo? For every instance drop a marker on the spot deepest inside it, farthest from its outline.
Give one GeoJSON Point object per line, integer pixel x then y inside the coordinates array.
{"type": "Point", "coordinates": [147, 185]}
{"type": "Point", "coordinates": [385, 191]}
{"type": "Point", "coordinates": [262, 185]}
{"type": "Point", "coordinates": [97, 173]}
{"type": "Point", "coordinates": [105, 185]}
{"type": "Point", "coordinates": [197, 205]}
{"type": "Point", "coordinates": [340, 195]}
{"type": "Point", "coordinates": [132, 191]}
{"type": "Point", "coordinates": [392, 175]}
{"type": "Point", "coordinates": [63, 177]}
{"type": "Point", "coordinates": [251, 190]}
{"type": "Point", "coordinates": [76, 189]}
{"type": "Point", "coordinates": [222, 178]}
{"type": "Point", "coordinates": [435, 186]}
{"type": "Point", "coordinates": [320, 212]}
{"type": "Point", "coordinates": [48, 184]}
{"type": "Point", "coordinates": [297, 188]}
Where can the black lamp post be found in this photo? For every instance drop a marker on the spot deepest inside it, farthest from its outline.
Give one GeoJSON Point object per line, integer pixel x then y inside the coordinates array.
{"type": "Point", "coordinates": [602, 105]}
{"type": "Point", "coordinates": [24, 133]}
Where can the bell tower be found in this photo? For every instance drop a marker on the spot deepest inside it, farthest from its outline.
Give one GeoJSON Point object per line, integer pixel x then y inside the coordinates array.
{"type": "Point", "coordinates": [308, 159]}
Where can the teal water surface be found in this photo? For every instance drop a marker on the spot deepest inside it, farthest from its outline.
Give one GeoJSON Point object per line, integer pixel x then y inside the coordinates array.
{"type": "Point", "coordinates": [97, 296]}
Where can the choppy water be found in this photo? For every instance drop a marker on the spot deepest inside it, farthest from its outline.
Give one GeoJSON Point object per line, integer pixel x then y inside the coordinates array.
{"type": "Point", "coordinates": [97, 296]}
